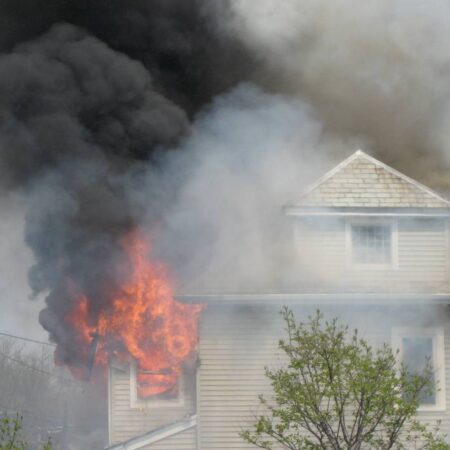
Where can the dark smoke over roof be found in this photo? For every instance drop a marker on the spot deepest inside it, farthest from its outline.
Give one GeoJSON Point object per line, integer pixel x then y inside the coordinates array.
{"type": "Point", "coordinates": [90, 93]}
{"type": "Point", "coordinates": [95, 95]}
{"type": "Point", "coordinates": [177, 41]}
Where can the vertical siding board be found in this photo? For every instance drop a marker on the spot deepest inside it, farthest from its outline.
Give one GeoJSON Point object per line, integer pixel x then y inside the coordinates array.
{"type": "Point", "coordinates": [182, 441]}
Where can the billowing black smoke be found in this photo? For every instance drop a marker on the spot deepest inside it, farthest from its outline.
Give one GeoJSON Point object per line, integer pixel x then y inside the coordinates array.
{"type": "Point", "coordinates": [98, 96]}
{"type": "Point", "coordinates": [177, 41]}
{"type": "Point", "coordinates": [91, 92]}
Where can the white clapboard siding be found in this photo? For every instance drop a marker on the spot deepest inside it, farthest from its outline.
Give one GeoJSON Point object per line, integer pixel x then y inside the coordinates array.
{"type": "Point", "coordinates": [236, 344]}
{"type": "Point", "coordinates": [127, 422]}
{"type": "Point", "coordinates": [233, 349]}
{"type": "Point", "coordinates": [423, 249]}
{"type": "Point", "coordinates": [187, 440]}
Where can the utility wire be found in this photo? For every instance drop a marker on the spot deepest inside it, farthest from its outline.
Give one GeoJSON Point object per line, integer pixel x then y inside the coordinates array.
{"type": "Point", "coordinates": [35, 369]}
{"type": "Point", "coordinates": [35, 341]}
{"type": "Point", "coordinates": [18, 361]}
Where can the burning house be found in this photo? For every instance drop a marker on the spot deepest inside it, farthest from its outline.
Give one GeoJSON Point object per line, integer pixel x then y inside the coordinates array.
{"type": "Point", "coordinates": [149, 148]}
{"type": "Point", "coordinates": [369, 244]}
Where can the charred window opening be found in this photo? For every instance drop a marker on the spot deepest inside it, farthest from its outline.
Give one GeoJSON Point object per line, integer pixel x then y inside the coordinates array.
{"type": "Point", "coordinates": [150, 388]}
{"type": "Point", "coordinates": [159, 384]}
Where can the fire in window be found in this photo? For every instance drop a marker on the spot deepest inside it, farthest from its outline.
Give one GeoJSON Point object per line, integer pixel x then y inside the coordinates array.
{"type": "Point", "coordinates": [148, 389]}
{"type": "Point", "coordinates": [371, 244]}
{"type": "Point", "coordinates": [162, 383]}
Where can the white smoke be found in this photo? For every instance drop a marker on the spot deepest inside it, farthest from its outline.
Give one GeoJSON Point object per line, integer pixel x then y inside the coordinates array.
{"type": "Point", "coordinates": [249, 154]}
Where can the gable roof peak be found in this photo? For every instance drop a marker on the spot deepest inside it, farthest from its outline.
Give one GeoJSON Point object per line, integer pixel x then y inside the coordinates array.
{"type": "Point", "coordinates": [363, 181]}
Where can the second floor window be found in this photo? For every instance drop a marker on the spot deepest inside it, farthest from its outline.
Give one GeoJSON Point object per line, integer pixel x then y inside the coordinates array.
{"type": "Point", "coordinates": [371, 244]}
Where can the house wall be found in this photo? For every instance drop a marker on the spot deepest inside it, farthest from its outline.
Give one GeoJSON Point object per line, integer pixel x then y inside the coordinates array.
{"type": "Point", "coordinates": [186, 440]}
{"type": "Point", "coordinates": [127, 420]}
{"type": "Point", "coordinates": [322, 259]}
{"type": "Point", "coordinates": [237, 343]}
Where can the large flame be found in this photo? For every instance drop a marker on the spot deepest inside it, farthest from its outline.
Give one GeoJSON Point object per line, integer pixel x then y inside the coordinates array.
{"type": "Point", "coordinates": [150, 326]}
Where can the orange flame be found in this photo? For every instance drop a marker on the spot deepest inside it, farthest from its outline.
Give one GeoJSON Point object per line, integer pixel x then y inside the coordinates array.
{"type": "Point", "coordinates": [154, 329]}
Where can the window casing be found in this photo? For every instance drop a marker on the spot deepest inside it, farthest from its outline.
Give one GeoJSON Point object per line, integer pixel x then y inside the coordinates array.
{"type": "Point", "coordinates": [372, 244]}
{"type": "Point", "coordinates": [415, 346]}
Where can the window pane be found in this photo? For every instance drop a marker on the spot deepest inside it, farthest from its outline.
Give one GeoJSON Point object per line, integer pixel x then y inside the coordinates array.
{"type": "Point", "coordinates": [371, 244]}
{"type": "Point", "coordinates": [417, 351]}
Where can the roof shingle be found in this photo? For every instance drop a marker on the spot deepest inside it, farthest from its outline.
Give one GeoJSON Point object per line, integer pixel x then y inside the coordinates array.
{"type": "Point", "coordinates": [363, 181]}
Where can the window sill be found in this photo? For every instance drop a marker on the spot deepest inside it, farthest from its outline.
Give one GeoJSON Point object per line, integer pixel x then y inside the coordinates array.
{"type": "Point", "coordinates": [431, 409]}
{"type": "Point", "coordinates": [370, 267]}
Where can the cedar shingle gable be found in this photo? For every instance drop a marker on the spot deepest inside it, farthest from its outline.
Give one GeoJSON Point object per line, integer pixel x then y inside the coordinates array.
{"type": "Point", "coordinates": [363, 181]}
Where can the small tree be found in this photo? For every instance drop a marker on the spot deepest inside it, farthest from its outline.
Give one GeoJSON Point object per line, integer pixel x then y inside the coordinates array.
{"type": "Point", "coordinates": [337, 392]}
{"type": "Point", "coordinates": [11, 435]}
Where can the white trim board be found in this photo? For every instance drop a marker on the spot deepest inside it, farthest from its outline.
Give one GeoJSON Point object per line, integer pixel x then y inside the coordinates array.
{"type": "Point", "coordinates": [349, 298]}
{"type": "Point", "coordinates": [157, 435]}
{"type": "Point", "coordinates": [302, 212]}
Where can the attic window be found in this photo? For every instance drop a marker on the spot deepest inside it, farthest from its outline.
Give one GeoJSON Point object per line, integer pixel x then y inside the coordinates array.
{"type": "Point", "coordinates": [372, 244]}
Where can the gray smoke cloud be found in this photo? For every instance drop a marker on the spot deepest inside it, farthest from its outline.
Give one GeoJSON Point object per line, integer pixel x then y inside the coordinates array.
{"type": "Point", "coordinates": [377, 70]}
{"type": "Point", "coordinates": [333, 78]}
{"type": "Point", "coordinates": [201, 119]}
{"type": "Point", "coordinates": [91, 97]}
{"type": "Point", "coordinates": [18, 315]}
{"type": "Point", "coordinates": [76, 117]}
{"type": "Point", "coordinates": [249, 153]}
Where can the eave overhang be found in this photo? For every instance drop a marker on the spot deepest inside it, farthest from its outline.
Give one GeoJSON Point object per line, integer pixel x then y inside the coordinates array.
{"type": "Point", "coordinates": [359, 299]}
{"type": "Point", "coordinates": [303, 211]}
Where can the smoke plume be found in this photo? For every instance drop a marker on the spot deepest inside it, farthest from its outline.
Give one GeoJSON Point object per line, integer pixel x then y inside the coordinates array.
{"type": "Point", "coordinates": [199, 120]}
{"type": "Point", "coordinates": [378, 71]}
{"type": "Point", "coordinates": [92, 93]}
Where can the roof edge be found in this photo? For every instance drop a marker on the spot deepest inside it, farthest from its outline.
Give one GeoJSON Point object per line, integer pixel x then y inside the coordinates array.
{"type": "Point", "coordinates": [156, 435]}
{"type": "Point", "coordinates": [392, 299]}
{"type": "Point", "coordinates": [360, 153]}
{"type": "Point", "coordinates": [331, 172]}
{"type": "Point", "coordinates": [369, 211]}
{"type": "Point", "coordinates": [403, 176]}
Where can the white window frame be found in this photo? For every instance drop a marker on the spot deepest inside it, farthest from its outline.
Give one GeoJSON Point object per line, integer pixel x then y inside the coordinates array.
{"type": "Point", "coordinates": [373, 221]}
{"type": "Point", "coordinates": [438, 359]}
{"type": "Point", "coordinates": [138, 403]}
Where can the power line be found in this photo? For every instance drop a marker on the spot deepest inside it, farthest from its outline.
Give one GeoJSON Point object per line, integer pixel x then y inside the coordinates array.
{"type": "Point", "coordinates": [35, 369]}
{"type": "Point", "coordinates": [18, 361]}
{"type": "Point", "coordinates": [27, 339]}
